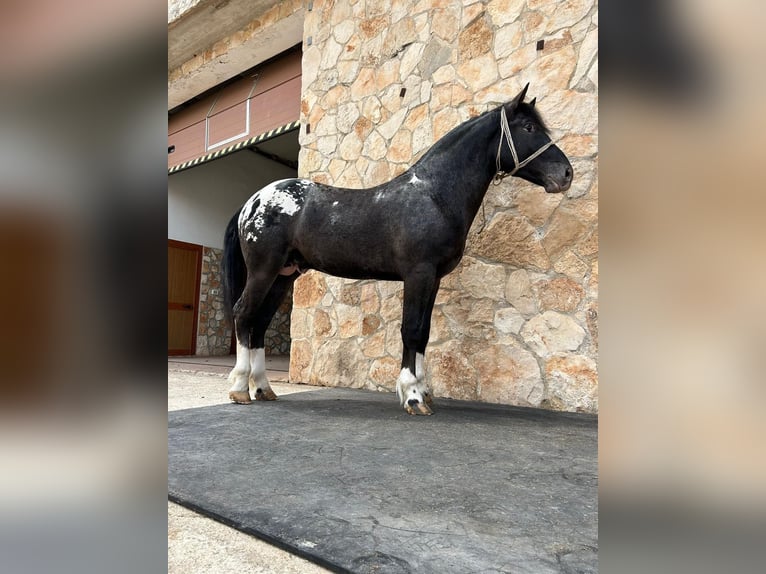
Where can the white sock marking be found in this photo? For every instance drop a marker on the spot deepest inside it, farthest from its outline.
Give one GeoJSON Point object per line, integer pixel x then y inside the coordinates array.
{"type": "Point", "coordinates": [241, 372]}
{"type": "Point", "coordinates": [258, 369]}
{"type": "Point", "coordinates": [420, 371]}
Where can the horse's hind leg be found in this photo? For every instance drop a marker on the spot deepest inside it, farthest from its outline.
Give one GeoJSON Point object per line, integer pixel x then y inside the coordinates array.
{"type": "Point", "coordinates": [259, 383]}
{"type": "Point", "coordinates": [239, 375]}
{"type": "Point", "coordinates": [253, 313]}
{"type": "Point", "coordinates": [245, 312]}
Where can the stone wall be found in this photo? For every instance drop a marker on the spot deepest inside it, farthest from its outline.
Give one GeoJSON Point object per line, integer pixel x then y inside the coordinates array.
{"type": "Point", "coordinates": [516, 322]}
{"type": "Point", "coordinates": [213, 331]}
{"type": "Point", "coordinates": [277, 337]}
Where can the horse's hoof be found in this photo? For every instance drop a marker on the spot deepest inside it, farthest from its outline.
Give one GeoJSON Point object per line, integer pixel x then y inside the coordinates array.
{"type": "Point", "coordinates": [240, 397]}
{"type": "Point", "coordinates": [267, 395]}
{"type": "Point", "coordinates": [420, 409]}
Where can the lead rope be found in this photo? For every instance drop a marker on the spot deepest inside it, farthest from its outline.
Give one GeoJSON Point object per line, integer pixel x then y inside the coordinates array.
{"type": "Point", "coordinates": [500, 175]}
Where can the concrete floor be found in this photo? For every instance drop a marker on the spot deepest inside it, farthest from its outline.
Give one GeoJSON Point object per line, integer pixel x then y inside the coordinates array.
{"type": "Point", "coordinates": [197, 543]}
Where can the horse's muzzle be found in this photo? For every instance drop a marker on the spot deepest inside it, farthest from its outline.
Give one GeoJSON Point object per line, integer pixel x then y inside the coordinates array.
{"type": "Point", "coordinates": [560, 180]}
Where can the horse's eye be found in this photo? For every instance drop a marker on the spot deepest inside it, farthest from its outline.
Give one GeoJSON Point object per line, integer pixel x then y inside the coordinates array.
{"type": "Point", "coordinates": [529, 127]}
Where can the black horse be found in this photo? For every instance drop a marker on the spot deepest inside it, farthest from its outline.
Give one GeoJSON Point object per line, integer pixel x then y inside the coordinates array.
{"type": "Point", "coordinates": [411, 229]}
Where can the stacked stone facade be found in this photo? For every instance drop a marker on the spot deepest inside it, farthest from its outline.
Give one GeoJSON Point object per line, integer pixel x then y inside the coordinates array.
{"type": "Point", "coordinates": [516, 322]}
{"type": "Point", "coordinates": [277, 337]}
{"type": "Point", "coordinates": [213, 331]}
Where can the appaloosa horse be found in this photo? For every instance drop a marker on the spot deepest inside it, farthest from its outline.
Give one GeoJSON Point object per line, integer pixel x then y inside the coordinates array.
{"type": "Point", "coordinates": [411, 229]}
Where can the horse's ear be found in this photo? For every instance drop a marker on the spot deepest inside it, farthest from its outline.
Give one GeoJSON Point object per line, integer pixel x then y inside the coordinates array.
{"type": "Point", "coordinates": [519, 98]}
{"type": "Point", "coordinates": [533, 102]}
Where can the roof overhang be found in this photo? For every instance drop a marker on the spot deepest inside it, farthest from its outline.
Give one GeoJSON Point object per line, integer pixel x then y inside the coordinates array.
{"type": "Point", "coordinates": [204, 25]}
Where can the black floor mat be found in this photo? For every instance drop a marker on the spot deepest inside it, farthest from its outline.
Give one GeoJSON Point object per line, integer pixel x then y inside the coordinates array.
{"type": "Point", "coordinates": [347, 479]}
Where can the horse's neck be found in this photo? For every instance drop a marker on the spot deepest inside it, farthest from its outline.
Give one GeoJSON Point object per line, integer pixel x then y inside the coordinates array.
{"type": "Point", "coordinates": [466, 164]}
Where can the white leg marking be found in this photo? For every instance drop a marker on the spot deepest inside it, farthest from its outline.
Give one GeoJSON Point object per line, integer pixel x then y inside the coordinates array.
{"type": "Point", "coordinates": [405, 385]}
{"type": "Point", "coordinates": [420, 371]}
{"type": "Point", "coordinates": [258, 378]}
{"type": "Point", "coordinates": [241, 372]}
{"type": "Point", "coordinates": [413, 394]}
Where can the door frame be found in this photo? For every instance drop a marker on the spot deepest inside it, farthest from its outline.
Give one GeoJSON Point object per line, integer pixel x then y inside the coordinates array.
{"type": "Point", "coordinates": [198, 249]}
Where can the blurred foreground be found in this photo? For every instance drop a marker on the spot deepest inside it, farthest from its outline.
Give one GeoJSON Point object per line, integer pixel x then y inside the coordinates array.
{"type": "Point", "coordinates": [682, 314]}
{"type": "Point", "coordinates": [82, 244]}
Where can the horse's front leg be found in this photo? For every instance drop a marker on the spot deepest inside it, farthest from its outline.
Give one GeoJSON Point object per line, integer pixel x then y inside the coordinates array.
{"type": "Point", "coordinates": [420, 289]}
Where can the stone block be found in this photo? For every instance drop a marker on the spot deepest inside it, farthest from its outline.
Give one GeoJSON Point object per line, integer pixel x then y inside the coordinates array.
{"type": "Point", "coordinates": [518, 292]}
{"type": "Point", "coordinates": [300, 361]}
{"type": "Point", "coordinates": [322, 325]}
{"type": "Point", "coordinates": [508, 374]}
{"type": "Point", "coordinates": [508, 320]}
{"type": "Point", "coordinates": [565, 229]}
{"type": "Point", "coordinates": [476, 39]}
{"type": "Point", "coordinates": [572, 383]}
{"type": "Point", "coordinates": [384, 372]}
{"type": "Point", "coordinates": [349, 321]}
{"type": "Point", "coordinates": [511, 239]}
{"type": "Point", "coordinates": [562, 14]}
{"type": "Point", "coordinates": [374, 146]}
{"type": "Point", "coordinates": [364, 85]}
{"type": "Point", "coordinates": [410, 59]}
{"type": "Point", "coordinates": [450, 373]}
{"type": "Point", "coordinates": [435, 55]}
{"type": "Point", "coordinates": [444, 122]}
{"type": "Point", "coordinates": [558, 294]}
{"type": "Point", "coordinates": [536, 205]}
{"type": "Point", "coordinates": [309, 289]}
{"type": "Point", "coordinates": [350, 146]}
{"type": "Point", "coordinates": [478, 72]}
{"type": "Point", "coordinates": [552, 332]}
{"type": "Point", "coordinates": [339, 363]}
{"type": "Point", "coordinates": [504, 12]}
{"type": "Point", "coordinates": [481, 279]}
{"type": "Point", "coordinates": [445, 25]}
{"type": "Point", "coordinates": [569, 264]}
{"type": "Point", "coordinates": [374, 345]}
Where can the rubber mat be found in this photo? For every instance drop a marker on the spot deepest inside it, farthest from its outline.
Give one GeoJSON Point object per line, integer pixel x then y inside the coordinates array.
{"type": "Point", "coordinates": [347, 479]}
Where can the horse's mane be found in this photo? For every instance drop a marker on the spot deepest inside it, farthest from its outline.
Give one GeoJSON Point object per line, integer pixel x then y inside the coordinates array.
{"type": "Point", "coordinates": [456, 134]}
{"type": "Point", "coordinates": [524, 107]}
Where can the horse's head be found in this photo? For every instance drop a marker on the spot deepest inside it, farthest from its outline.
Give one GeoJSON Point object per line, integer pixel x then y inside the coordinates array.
{"type": "Point", "coordinates": [525, 136]}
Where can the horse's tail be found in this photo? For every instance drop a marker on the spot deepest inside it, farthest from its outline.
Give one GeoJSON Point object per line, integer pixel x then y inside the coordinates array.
{"type": "Point", "coordinates": [233, 266]}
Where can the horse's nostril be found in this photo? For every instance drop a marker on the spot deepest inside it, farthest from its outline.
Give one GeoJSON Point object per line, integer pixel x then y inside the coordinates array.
{"type": "Point", "coordinates": [568, 173]}
{"type": "Point", "coordinates": [413, 402]}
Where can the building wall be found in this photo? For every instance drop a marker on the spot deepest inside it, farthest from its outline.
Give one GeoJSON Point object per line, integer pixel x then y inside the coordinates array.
{"type": "Point", "coordinates": [213, 331]}
{"type": "Point", "coordinates": [201, 201]}
{"type": "Point", "coordinates": [516, 322]}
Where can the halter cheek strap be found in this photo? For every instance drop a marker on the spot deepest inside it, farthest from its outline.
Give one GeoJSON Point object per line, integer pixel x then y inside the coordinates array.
{"type": "Point", "coordinates": [500, 175]}
{"type": "Point", "coordinates": [505, 133]}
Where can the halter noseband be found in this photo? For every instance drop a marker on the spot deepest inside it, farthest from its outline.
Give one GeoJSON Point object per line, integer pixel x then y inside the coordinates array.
{"type": "Point", "coordinates": [505, 132]}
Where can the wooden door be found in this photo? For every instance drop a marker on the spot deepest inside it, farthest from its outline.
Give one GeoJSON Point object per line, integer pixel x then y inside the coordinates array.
{"type": "Point", "coordinates": [184, 267]}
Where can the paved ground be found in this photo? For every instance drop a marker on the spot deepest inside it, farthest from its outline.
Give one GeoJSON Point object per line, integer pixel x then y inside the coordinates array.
{"type": "Point", "coordinates": [502, 488]}
{"type": "Point", "coordinates": [196, 543]}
